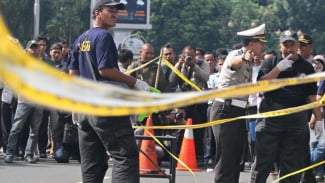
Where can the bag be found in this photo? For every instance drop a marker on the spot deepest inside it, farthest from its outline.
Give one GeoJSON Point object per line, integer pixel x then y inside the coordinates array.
{"type": "Point", "coordinates": [70, 134]}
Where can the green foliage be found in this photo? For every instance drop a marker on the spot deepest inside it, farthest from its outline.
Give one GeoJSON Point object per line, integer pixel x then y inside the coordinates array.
{"type": "Point", "coordinates": [58, 19]}
{"type": "Point", "coordinates": [18, 17]}
{"type": "Point", "coordinates": [204, 24]}
{"type": "Point", "coordinates": [66, 19]}
{"type": "Point", "coordinates": [186, 22]}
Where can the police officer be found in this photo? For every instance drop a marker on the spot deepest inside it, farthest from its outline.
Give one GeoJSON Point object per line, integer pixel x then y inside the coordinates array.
{"type": "Point", "coordinates": [283, 138]}
{"type": "Point", "coordinates": [97, 134]}
{"type": "Point", "coordinates": [230, 137]}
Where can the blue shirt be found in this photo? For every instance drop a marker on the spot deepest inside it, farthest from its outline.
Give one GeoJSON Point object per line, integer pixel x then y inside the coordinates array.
{"type": "Point", "coordinates": [321, 88]}
{"type": "Point", "coordinates": [100, 46]}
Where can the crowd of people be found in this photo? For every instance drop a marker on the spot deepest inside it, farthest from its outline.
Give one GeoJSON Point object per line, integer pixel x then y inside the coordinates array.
{"type": "Point", "coordinates": [268, 145]}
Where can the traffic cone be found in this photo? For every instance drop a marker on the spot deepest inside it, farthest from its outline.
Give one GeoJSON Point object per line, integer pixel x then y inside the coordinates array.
{"type": "Point", "coordinates": [148, 155]}
{"type": "Point", "coordinates": [187, 153]}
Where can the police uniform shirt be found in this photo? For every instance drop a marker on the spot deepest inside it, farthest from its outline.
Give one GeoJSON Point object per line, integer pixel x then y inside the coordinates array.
{"type": "Point", "coordinates": [100, 46]}
{"type": "Point", "coordinates": [290, 96]}
{"type": "Point", "coordinates": [230, 76]}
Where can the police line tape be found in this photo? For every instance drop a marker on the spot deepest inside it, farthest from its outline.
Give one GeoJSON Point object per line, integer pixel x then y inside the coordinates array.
{"type": "Point", "coordinates": [129, 72]}
{"type": "Point", "coordinates": [276, 113]}
{"type": "Point", "coordinates": [36, 81]}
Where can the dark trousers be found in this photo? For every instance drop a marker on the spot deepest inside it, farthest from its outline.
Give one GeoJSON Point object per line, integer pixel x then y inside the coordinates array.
{"type": "Point", "coordinates": [277, 141]}
{"type": "Point", "coordinates": [115, 135]}
{"type": "Point", "coordinates": [198, 113]}
{"type": "Point", "coordinates": [210, 143]}
{"type": "Point", "coordinates": [6, 123]}
{"type": "Point", "coordinates": [43, 138]}
{"type": "Point", "coordinates": [229, 139]}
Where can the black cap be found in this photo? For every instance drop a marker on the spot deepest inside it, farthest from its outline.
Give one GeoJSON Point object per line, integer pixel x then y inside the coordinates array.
{"type": "Point", "coordinates": [306, 39]}
{"type": "Point", "coordinates": [288, 35]}
{"type": "Point", "coordinates": [102, 3]}
{"type": "Point", "coordinates": [32, 43]}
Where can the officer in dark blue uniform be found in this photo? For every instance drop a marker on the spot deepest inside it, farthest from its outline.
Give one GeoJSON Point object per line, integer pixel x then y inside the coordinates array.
{"type": "Point", "coordinates": [283, 138]}
{"type": "Point", "coordinates": [95, 57]}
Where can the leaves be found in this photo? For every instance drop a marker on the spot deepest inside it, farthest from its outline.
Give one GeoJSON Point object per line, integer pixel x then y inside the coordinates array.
{"type": "Point", "coordinates": [179, 22]}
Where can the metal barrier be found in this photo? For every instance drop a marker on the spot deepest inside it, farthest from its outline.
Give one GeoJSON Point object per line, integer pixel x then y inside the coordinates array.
{"type": "Point", "coordinates": [172, 162]}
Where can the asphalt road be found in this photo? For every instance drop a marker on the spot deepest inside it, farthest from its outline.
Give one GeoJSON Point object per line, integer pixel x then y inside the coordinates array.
{"type": "Point", "coordinates": [49, 171]}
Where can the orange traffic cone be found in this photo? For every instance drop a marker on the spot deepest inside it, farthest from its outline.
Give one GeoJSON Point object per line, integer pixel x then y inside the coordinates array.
{"type": "Point", "coordinates": [187, 153]}
{"type": "Point", "coordinates": [148, 155]}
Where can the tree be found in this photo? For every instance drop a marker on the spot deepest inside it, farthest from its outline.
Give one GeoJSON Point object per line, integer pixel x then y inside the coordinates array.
{"type": "Point", "coordinates": [302, 15]}
{"type": "Point", "coordinates": [58, 19]}
{"type": "Point", "coordinates": [208, 24]}
{"type": "Point", "coordinates": [18, 15]}
{"type": "Point", "coordinates": [65, 19]}
{"type": "Point", "coordinates": [186, 22]}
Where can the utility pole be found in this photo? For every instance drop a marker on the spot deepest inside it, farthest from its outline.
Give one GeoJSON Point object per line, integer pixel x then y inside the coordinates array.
{"type": "Point", "coordinates": [36, 17]}
{"type": "Point", "coordinates": [92, 4]}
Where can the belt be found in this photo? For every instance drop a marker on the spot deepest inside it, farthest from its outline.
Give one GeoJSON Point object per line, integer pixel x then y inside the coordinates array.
{"type": "Point", "coordinates": [235, 102]}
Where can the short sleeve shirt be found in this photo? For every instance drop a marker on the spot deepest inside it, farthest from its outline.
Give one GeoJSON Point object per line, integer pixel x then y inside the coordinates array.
{"type": "Point", "coordinates": [98, 43]}
{"type": "Point", "coordinates": [230, 76]}
{"type": "Point", "coordinates": [290, 95]}
{"type": "Point", "coordinates": [321, 88]}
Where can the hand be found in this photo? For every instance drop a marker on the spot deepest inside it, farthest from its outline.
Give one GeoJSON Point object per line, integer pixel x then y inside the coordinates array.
{"type": "Point", "coordinates": [180, 62]}
{"type": "Point", "coordinates": [248, 55]}
{"type": "Point", "coordinates": [285, 63]}
{"type": "Point", "coordinates": [141, 85]}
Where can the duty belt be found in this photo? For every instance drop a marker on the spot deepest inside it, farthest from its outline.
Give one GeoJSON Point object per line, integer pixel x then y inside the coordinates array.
{"type": "Point", "coordinates": [235, 102]}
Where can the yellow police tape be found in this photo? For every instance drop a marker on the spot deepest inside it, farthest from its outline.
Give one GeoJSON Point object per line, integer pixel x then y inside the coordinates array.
{"type": "Point", "coordinates": [38, 82]}
{"type": "Point", "coordinates": [299, 171]}
{"type": "Point", "coordinates": [171, 154]}
{"type": "Point", "coordinates": [34, 80]}
{"type": "Point", "coordinates": [128, 72]}
{"type": "Point", "coordinates": [259, 115]}
{"type": "Point", "coordinates": [179, 74]}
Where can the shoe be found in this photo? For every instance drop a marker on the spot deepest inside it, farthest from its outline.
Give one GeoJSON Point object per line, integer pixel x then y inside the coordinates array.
{"type": "Point", "coordinates": [30, 159]}
{"type": "Point", "coordinates": [9, 159]}
{"type": "Point", "coordinates": [36, 157]}
{"type": "Point", "coordinates": [319, 178]}
{"type": "Point", "coordinates": [210, 162]}
{"type": "Point", "coordinates": [43, 155]}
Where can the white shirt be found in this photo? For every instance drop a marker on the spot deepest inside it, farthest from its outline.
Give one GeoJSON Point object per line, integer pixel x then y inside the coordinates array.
{"type": "Point", "coordinates": [254, 99]}
{"type": "Point", "coordinates": [212, 82]}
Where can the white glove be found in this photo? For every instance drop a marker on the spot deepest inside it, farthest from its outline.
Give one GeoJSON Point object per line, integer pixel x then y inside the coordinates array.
{"type": "Point", "coordinates": [285, 63]}
{"type": "Point", "coordinates": [141, 85]}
